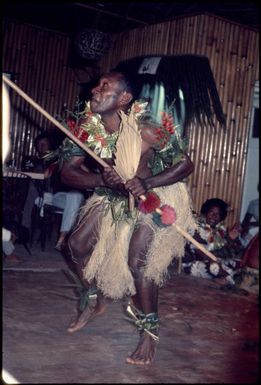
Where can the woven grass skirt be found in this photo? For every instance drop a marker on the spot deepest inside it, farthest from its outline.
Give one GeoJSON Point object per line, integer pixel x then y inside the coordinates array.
{"type": "Point", "coordinates": [108, 263]}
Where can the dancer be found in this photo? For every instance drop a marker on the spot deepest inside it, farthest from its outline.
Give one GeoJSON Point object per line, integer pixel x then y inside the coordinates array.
{"type": "Point", "coordinates": [122, 252]}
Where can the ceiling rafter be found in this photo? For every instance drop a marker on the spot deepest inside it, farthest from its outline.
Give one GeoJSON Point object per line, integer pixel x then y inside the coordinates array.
{"type": "Point", "coordinates": [91, 7]}
{"type": "Point", "coordinates": [115, 17]}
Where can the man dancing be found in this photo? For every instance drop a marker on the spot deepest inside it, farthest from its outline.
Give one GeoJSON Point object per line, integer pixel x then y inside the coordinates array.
{"type": "Point", "coordinates": [118, 251]}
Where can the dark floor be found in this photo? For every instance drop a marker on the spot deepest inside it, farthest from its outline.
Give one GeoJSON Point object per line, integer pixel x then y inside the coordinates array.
{"type": "Point", "coordinates": [208, 334]}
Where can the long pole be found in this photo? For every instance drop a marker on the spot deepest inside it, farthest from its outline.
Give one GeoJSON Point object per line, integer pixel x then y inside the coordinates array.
{"type": "Point", "coordinates": [96, 157]}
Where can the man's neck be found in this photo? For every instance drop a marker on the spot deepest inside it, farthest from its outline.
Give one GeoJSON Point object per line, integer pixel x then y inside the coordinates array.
{"type": "Point", "coordinates": [111, 122]}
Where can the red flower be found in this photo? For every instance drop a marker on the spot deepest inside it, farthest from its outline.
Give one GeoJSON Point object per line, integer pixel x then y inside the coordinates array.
{"type": "Point", "coordinates": [168, 215]}
{"type": "Point", "coordinates": [222, 233]}
{"type": "Point", "coordinates": [151, 203]}
{"type": "Point", "coordinates": [71, 123]}
{"type": "Point", "coordinates": [82, 135]}
{"type": "Point", "coordinates": [167, 122]}
{"type": "Point", "coordinates": [137, 109]}
{"type": "Point", "coordinates": [101, 139]}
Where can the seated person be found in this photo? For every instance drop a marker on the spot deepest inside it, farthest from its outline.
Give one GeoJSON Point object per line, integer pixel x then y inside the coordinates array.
{"type": "Point", "coordinates": [8, 240]}
{"type": "Point", "coordinates": [249, 278]}
{"type": "Point", "coordinates": [223, 243]}
{"type": "Point", "coordinates": [250, 223]}
{"type": "Point", "coordinates": [251, 254]}
{"type": "Point", "coordinates": [55, 193]}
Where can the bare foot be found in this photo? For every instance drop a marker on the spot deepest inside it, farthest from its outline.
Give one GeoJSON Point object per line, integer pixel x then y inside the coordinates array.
{"type": "Point", "coordinates": [145, 352]}
{"type": "Point", "coordinates": [88, 314]}
{"type": "Point", "coordinates": [61, 240]}
{"type": "Point", "coordinates": [58, 246]}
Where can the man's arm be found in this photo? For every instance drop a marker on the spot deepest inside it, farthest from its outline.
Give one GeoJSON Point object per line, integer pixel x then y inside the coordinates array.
{"type": "Point", "coordinates": [174, 174]}
{"type": "Point", "coordinates": [74, 173]}
{"type": "Point", "coordinates": [171, 175]}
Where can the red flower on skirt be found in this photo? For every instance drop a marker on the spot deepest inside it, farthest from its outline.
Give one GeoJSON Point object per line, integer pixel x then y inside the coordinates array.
{"type": "Point", "coordinates": [168, 215]}
{"type": "Point", "coordinates": [151, 203]}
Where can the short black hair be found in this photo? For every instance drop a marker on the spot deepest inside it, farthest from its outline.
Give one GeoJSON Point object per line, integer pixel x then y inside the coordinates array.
{"type": "Point", "coordinates": [222, 205]}
{"type": "Point", "coordinates": [42, 135]}
{"type": "Point", "coordinates": [129, 81]}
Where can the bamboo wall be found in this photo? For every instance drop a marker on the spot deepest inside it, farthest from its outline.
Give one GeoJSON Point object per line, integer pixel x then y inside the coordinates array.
{"type": "Point", "coordinates": [38, 60]}
{"type": "Point", "coordinates": [233, 53]}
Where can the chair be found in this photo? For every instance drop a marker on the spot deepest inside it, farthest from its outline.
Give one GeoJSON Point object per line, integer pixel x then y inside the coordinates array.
{"type": "Point", "coordinates": [44, 218]}
{"type": "Point", "coordinates": [14, 192]}
{"type": "Point", "coordinates": [48, 215]}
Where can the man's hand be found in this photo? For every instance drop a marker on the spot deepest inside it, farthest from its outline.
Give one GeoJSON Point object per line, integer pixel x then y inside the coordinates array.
{"type": "Point", "coordinates": [234, 231]}
{"type": "Point", "coordinates": [136, 187]}
{"type": "Point", "coordinates": [110, 177]}
{"type": "Point", "coordinates": [112, 180]}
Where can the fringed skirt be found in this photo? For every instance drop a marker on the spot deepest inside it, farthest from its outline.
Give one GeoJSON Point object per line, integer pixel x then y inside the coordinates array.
{"type": "Point", "coordinates": [108, 263]}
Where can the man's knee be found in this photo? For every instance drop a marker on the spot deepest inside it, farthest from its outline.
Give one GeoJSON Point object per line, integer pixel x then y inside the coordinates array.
{"type": "Point", "coordinates": [137, 268]}
{"type": "Point", "coordinates": [74, 245]}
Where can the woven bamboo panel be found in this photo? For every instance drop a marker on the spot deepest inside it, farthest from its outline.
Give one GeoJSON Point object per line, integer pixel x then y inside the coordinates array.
{"type": "Point", "coordinates": [232, 50]}
{"type": "Point", "coordinates": [37, 58]}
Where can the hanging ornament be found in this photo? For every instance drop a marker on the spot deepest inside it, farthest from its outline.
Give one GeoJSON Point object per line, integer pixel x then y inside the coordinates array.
{"type": "Point", "coordinates": [92, 44]}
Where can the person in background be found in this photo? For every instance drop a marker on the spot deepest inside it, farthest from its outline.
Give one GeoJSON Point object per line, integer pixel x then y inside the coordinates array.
{"type": "Point", "coordinates": [250, 238]}
{"type": "Point", "coordinates": [54, 192]}
{"type": "Point", "coordinates": [8, 245]}
{"type": "Point", "coordinates": [250, 223]}
{"type": "Point", "coordinates": [223, 242]}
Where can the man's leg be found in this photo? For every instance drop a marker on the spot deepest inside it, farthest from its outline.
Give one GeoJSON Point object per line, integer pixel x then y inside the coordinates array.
{"type": "Point", "coordinates": [80, 246]}
{"type": "Point", "coordinates": [146, 298]}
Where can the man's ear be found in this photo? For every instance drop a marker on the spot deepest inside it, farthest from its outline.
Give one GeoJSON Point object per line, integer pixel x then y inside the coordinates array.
{"type": "Point", "coordinates": [125, 98]}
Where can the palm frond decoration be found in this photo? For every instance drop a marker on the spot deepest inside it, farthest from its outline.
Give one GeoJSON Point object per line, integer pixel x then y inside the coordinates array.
{"type": "Point", "coordinates": [128, 146]}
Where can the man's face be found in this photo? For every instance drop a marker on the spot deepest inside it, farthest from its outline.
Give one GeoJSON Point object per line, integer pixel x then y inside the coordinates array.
{"type": "Point", "coordinates": [106, 95]}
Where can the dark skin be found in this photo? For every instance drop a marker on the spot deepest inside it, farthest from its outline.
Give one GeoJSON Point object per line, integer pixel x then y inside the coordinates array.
{"type": "Point", "coordinates": [109, 97]}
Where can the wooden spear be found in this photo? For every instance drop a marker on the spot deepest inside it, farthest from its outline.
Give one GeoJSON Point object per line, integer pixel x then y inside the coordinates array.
{"type": "Point", "coordinates": [96, 157]}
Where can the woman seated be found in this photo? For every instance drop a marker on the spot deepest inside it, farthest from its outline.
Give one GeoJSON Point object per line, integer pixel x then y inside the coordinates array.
{"type": "Point", "coordinates": [223, 242]}
{"type": "Point", "coordinates": [249, 278]}
{"type": "Point", "coordinates": [54, 192]}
